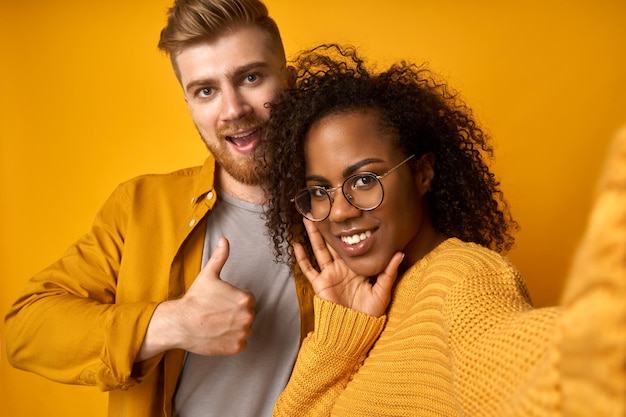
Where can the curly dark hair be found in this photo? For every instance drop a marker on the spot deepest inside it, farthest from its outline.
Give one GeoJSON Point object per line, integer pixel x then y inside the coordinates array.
{"type": "Point", "coordinates": [424, 115]}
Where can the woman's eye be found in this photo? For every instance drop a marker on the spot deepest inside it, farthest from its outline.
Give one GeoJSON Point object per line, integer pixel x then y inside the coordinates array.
{"type": "Point", "coordinates": [364, 181]}
{"type": "Point", "coordinates": [317, 192]}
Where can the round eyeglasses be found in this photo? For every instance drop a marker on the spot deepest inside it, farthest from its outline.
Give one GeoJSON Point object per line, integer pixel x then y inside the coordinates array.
{"type": "Point", "coordinates": [363, 190]}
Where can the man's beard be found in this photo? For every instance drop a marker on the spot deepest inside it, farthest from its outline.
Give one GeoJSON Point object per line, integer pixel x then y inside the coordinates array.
{"type": "Point", "coordinates": [247, 169]}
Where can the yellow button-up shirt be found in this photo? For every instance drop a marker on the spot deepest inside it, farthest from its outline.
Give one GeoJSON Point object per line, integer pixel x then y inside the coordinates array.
{"type": "Point", "coordinates": [83, 319]}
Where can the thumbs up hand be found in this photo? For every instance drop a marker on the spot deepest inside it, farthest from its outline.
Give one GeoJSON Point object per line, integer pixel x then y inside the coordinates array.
{"type": "Point", "coordinates": [212, 318]}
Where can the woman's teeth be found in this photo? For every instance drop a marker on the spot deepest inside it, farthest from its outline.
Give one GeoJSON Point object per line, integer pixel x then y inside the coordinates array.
{"type": "Point", "coordinates": [354, 239]}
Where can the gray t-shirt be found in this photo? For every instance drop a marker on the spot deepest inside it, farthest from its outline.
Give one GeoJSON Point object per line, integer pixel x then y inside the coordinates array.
{"type": "Point", "coordinates": [249, 383]}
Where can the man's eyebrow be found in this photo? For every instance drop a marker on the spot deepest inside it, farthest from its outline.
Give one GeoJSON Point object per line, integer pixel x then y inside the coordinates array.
{"type": "Point", "coordinates": [240, 71]}
{"type": "Point", "coordinates": [237, 73]}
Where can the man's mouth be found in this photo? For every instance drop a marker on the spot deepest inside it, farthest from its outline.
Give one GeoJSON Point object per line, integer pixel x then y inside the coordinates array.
{"type": "Point", "coordinates": [245, 142]}
{"type": "Point", "coordinates": [243, 139]}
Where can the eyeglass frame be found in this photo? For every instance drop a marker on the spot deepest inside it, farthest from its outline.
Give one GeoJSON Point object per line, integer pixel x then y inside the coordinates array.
{"type": "Point", "coordinates": [348, 197]}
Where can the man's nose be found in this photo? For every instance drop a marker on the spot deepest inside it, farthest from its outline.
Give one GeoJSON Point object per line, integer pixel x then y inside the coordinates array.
{"type": "Point", "coordinates": [234, 105]}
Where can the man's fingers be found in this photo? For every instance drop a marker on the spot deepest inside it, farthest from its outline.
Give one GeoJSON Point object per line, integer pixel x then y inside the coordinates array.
{"type": "Point", "coordinates": [214, 266]}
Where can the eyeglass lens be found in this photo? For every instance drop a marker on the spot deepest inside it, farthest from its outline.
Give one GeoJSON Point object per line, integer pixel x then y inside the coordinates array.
{"type": "Point", "coordinates": [363, 191]}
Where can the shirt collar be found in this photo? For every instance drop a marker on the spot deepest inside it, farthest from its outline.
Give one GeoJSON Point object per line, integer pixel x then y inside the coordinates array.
{"type": "Point", "coordinates": [205, 186]}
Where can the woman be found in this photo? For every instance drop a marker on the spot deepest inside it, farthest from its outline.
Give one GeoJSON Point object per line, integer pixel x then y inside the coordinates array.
{"type": "Point", "coordinates": [416, 310]}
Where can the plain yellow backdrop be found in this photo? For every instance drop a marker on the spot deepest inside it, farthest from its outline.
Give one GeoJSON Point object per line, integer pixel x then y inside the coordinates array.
{"type": "Point", "coordinates": [87, 101]}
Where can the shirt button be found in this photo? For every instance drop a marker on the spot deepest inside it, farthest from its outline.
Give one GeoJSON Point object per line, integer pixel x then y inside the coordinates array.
{"type": "Point", "coordinates": [192, 222]}
{"type": "Point", "coordinates": [193, 199]}
{"type": "Point", "coordinates": [209, 195]}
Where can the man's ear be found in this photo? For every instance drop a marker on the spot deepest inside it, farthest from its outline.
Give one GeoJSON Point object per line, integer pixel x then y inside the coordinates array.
{"type": "Point", "coordinates": [425, 172]}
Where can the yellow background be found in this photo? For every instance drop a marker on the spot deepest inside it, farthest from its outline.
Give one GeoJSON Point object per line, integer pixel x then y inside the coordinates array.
{"type": "Point", "coordinates": [87, 101]}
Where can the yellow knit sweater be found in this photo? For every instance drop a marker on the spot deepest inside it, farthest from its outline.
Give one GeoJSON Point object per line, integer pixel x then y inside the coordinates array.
{"type": "Point", "coordinates": [461, 338]}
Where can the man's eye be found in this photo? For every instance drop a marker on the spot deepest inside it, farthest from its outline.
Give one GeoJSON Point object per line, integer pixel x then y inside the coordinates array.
{"type": "Point", "coordinates": [251, 78]}
{"type": "Point", "coordinates": [205, 92]}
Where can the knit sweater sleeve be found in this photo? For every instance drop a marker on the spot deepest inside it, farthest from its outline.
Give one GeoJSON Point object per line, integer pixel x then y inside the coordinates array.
{"type": "Point", "coordinates": [328, 358]}
{"type": "Point", "coordinates": [501, 348]}
{"type": "Point", "coordinates": [593, 330]}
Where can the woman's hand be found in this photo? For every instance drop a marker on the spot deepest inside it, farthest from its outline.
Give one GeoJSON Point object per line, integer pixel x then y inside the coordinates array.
{"type": "Point", "coordinates": [339, 284]}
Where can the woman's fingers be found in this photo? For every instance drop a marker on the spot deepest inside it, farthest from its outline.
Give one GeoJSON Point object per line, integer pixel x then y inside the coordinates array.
{"type": "Point", "coordinates": [337, 283]}
{"type": "Point", "coordinates": [303, 261]}
{"type": "Point", "coordinates": [387, 278]}
{"type": "Point", "coordinates": [333, 254]}
{"type": "Point", "coordinates": [318, 244]}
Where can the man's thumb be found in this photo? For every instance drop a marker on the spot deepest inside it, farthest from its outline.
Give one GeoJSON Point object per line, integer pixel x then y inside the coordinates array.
{"type": "Point", "coordinates": [218, 258]}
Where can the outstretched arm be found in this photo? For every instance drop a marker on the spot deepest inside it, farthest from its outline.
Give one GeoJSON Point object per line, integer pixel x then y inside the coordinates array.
{"type": "Point", "coordinates": [593, 345]}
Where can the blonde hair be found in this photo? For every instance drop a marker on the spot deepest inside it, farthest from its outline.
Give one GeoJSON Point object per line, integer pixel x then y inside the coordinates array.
{"type": "Point", "coordinates": [191, 22]}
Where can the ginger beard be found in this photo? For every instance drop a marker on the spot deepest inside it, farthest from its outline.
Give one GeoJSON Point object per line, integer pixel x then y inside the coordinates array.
{"type": "Point", "coordinates": [237, 154]}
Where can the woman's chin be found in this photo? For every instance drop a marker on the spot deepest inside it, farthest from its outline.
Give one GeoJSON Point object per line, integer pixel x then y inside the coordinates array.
{"type": "Point", "coordinates": [366, 269]}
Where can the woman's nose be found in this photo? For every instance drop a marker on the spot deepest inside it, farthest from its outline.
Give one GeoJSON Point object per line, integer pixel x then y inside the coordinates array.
{"type": "Point", "coordinates": [341, 209]}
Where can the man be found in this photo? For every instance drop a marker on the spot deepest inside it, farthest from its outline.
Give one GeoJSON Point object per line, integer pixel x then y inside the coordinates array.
{"type": "Point", "coordinates": [123, 305]}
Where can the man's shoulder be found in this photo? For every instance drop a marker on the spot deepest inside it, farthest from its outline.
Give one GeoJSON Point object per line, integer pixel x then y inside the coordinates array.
{"type": "Point", "coordinates": [182, 183]}
{"type": "Point", "coordinates": [178, 178]}
{"type": "Point", "coordinates": [177, 175]}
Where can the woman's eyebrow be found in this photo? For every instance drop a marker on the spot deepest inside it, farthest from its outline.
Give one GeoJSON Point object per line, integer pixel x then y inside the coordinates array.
{"type": "Point", "coordinates": [356, 166]}
{"type": "Point", "coordinates": [346, 172]}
